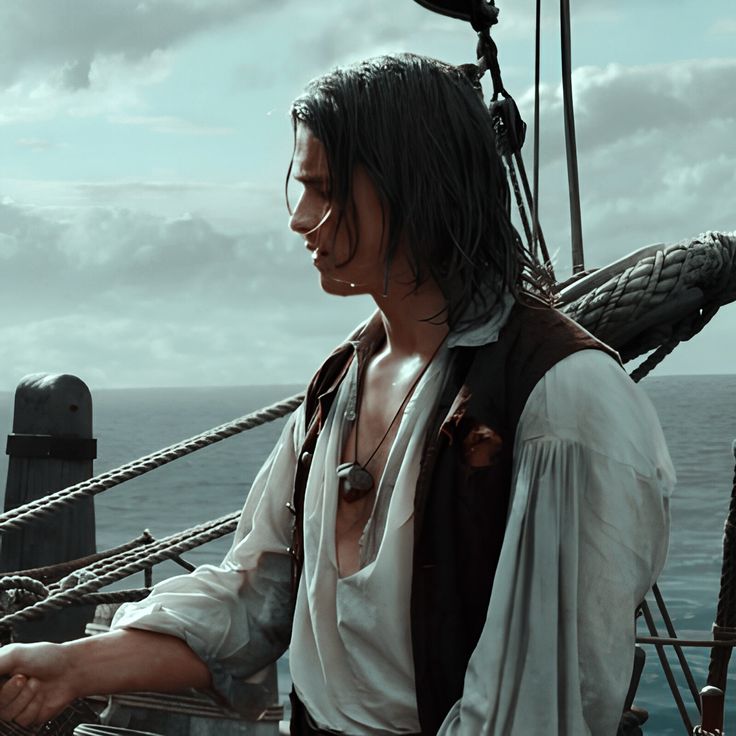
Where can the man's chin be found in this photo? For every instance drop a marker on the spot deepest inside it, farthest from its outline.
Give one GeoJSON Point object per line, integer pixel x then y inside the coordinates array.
{"type": "Point", "coordinates": [337, 288]}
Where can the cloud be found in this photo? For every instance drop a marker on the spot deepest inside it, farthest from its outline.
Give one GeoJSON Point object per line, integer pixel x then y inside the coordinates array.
{"type": "Point", "coordinates": [231, 207]}
{"type": "Point", "coordinates": [47, 33]}
{"type": "Point", "coordinates": [115, 84]}
{"type": "Point", "coordinates": [723, 27]}
{"type": "Point", "coordinates": [76, 74]}
{"type": "Point", "coordinates": [137, 282]}
{"type": "Point", "coordinates": [617, 102]}
{"type": "Point", "coordinates": [126, 298]}
{"type": "Point", "coordinates": [330, 33]}
{"type": "Point", "coordinates": [93, 58]}
{"type": "Point", "coordinates": [657, 154]}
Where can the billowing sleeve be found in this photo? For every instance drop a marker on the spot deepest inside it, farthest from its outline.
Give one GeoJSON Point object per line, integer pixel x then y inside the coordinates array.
{"type": "Point", "coordinates": [236, 616]}
{"type": "Point", "coordinates": [586, 538]}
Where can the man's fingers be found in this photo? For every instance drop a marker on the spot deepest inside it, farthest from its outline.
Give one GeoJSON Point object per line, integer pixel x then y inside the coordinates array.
{"type": "Point", "coordinates": [9, 692]}
{"type": "Point", "coordinates": [23, 698]}
{"type": "Point", "coordinates": [30, 714]}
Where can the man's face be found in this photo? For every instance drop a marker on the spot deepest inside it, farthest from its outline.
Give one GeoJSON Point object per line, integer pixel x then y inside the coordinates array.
{"type": "Point", "coordinates": [316, 217]}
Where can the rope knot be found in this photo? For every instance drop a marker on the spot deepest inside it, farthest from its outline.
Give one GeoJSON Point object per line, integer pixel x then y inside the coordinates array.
{"type": "Point", "coordinates": [19, 591]}
{"type": "Point", "coordinates": [78, 577]}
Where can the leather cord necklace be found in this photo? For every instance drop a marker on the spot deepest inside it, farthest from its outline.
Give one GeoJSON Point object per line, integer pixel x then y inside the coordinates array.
{"type": "Point", "coordinates": [357, 481]}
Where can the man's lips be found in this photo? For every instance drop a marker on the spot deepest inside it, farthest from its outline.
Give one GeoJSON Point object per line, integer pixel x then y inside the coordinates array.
{"type": "Point", "coordinates": [318, 259]}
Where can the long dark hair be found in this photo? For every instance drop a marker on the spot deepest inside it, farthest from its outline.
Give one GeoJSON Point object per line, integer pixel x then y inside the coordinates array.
{"type": "Point", "coordinates": [424, 136]}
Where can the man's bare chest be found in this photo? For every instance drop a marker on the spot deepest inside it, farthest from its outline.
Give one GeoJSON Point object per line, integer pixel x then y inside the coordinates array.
{"type": "Point", "coordinates": [368, 440]}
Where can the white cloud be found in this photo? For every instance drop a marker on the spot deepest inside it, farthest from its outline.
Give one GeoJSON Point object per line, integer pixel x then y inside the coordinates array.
{"type": "Point", "coordinates": [127, 289]}
{"type": "Point", "coordinates": [723, 27]}
{"type": "Point", "coordinates": [657, 155]}
{"type": "Point", "coordinates": [126, 298]}
{"type": "Point", "coordinates": [38, 34]}
{"type": "Point", "coordinates": [115, 84]}
{"type": "Point", "coordinates": [231, 207]}
{"type": "Point", "coordinates": [91, 57]}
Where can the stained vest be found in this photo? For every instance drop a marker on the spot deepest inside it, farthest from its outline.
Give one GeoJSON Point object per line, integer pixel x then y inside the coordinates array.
{"type": "Point", "coordinates": [464, 484]}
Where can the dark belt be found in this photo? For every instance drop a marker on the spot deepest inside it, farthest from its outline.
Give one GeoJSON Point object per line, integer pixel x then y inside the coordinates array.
{"type": "Point", "coordinates": [302, 723]}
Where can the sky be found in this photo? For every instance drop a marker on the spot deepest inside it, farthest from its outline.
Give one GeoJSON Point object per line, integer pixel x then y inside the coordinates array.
{"type": "Point", "coordinates": [144, 239]}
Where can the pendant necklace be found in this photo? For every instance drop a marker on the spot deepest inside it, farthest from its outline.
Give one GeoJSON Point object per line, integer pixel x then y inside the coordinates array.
{"type": "Point", "coordinates": [357, 481]}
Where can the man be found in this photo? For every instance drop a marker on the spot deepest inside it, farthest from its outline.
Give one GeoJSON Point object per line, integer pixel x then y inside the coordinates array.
{"type": "Point", "coordinates": [472, 499]}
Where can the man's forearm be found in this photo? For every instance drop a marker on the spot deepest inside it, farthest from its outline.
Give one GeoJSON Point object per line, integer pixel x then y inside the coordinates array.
{"type": "Point", "coordinates": [132, 660]}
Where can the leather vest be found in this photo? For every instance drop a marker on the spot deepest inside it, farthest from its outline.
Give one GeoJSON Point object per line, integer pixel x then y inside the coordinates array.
{"type": "Point", "coordinates": [463, 489]}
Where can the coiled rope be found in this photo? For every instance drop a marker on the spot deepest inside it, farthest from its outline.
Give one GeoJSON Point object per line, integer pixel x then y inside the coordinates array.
{"type": "Point", "coordinates": [45, 508]}
{"type": "Point", "coordinates": [657, 297]}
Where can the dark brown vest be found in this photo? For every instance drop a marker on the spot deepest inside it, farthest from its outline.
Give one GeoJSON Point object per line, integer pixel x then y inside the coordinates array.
{"type": "Point", "coordinates": [463, 489]}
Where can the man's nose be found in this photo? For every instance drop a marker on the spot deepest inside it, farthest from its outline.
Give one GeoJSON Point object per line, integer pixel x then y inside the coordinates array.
{"type": "Point", "coordinates": [298, 222]}
{"type": "Point", "coordinates": [306, 221]}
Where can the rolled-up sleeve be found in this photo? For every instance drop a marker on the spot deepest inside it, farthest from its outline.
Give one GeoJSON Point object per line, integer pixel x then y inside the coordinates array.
{"type": "Point", "coordinates": [236, 616]}
{"type": "Point", "coordinates": [586, 538]}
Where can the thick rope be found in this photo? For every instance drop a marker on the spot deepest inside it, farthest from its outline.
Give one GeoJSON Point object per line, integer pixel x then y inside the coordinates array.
{"type": "Point", "coordinates": [63, 597]}
{"type": "Point", "coordinates": [112, 597]}
{"type": "Point", "coordinates": [153, 553]}
{"type": "Point", "coordinates": [26, 584]}
{"type": "Point", "coordinates": [666, 296]}
{"type": "Point", "coordinates": [648, 365]}
{"type": "Point", "coordinates": [45, 508]}
{"type": "Point", "coordinates": [53, 573]}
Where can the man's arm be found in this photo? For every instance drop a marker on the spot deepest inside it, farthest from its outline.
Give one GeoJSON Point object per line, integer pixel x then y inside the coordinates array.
{"type": "Point", "coordinates": [120, 661]}
{"type": "Point", "coordinates": [586, 537]}
{"type": "Point", "coordinates": [195, 630]}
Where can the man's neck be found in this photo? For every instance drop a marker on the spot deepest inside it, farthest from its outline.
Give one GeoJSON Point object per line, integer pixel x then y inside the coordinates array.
{"type": "Point", "coordinates": [414, 322]}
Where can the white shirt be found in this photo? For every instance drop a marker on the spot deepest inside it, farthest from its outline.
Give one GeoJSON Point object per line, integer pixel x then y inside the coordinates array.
{"type": "Point", "coordinates": [350, 655]}
{"type": "Point", "coordinates": [585, 539]}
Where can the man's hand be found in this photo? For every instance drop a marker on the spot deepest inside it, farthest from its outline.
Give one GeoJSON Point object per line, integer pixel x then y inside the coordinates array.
{"type": "Point", "coordinates": [45, 678]}
{"type": "Point", "coordinates": [39, 686]}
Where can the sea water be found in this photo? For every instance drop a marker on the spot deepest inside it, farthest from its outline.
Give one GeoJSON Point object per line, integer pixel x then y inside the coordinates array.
{"type": "Point", "coordinates": [698, 414]}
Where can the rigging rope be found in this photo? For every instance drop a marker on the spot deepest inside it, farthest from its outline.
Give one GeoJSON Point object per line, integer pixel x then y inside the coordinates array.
{"type": "Point", "coordinates": [653, 360]}
{"type": "Point", "coordinates": [45, 508]}
{"type": "Point", "coordinates": [531, 202]}
{"type": "Point", "coordinates": [148, 555]}
{"type": "Point", "coordinates": [53, 573]}
{"type": "Point", "coordinates": [669, 675]}
{"type": "Point", "coordinates": [59, 597]}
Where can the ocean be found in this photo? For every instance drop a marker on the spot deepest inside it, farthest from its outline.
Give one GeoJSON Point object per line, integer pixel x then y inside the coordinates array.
{"type": "Point", "coordinates": [698, 414]}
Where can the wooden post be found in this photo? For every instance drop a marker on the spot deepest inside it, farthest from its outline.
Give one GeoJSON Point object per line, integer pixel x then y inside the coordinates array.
{"type": "Point", "coordinates": [51, 447]}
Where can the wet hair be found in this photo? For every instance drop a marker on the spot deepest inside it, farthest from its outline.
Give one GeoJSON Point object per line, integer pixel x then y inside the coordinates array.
{"type": "Point", "coordinates": [420, 129]}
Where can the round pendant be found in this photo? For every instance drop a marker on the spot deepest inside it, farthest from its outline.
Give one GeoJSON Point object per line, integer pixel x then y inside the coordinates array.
{"type": "Point", "coordinates": [357, 482]}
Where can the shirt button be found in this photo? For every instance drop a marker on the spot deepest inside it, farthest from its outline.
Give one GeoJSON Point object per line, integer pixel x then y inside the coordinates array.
{"type": "Point", "coordinates": [306, 459]}
{"type": "Point", "coordinates": [350, 415]}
